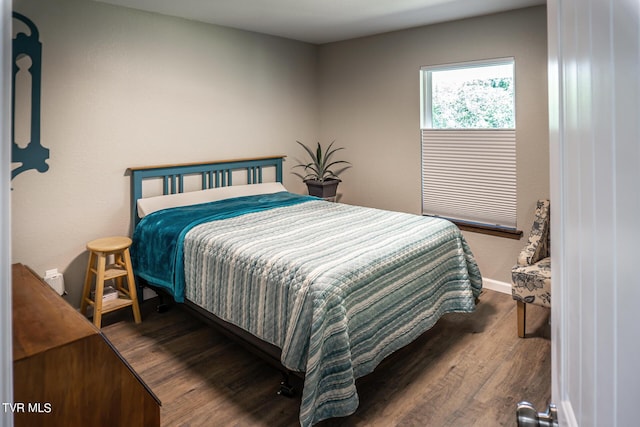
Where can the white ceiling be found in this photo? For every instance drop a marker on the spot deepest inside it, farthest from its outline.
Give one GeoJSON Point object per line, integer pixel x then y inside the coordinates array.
{"type": "Point", "coordinates": [323, 21]}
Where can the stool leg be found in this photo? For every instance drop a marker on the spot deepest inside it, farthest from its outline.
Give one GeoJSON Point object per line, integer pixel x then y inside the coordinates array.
{"type": "Point", "coordinates": [131, 283]}
{"type": "Point", "coordinates": [97, 302]}
{"type": "Point", "coordinates": [87, 284]}
{"type": "Point", "coordinates": [118, 260]}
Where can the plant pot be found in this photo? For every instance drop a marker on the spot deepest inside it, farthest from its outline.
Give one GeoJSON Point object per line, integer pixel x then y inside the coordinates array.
{"type": "Point", "coordinates": [324, 189]}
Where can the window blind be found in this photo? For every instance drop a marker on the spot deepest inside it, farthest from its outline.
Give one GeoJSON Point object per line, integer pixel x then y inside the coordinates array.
{"type": "Point", "coordinates": [470, 175]}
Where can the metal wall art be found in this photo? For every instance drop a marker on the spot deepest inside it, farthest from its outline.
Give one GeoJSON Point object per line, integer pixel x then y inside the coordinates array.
{"type": "Point", "coordinates": [26, 80]}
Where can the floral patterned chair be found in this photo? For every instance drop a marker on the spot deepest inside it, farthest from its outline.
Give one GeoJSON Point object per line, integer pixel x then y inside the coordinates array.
{"type": "Point", "coordinates": [531, 276]}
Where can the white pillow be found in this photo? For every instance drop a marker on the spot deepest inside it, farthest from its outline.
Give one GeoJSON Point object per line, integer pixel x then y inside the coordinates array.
{"type": "Point", "coordinates": [152, 204]}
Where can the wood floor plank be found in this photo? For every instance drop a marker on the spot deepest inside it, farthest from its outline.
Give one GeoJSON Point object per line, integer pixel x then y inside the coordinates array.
{"type": "Point", "coordinates": [469, 370]}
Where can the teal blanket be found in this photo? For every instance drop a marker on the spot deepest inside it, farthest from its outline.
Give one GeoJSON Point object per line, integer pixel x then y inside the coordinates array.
{"type": "Point", "coordinates": [157, 250]}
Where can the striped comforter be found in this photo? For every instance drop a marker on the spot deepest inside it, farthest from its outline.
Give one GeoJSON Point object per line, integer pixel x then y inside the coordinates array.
{"type": "Point", "coordinates": [336, 287]}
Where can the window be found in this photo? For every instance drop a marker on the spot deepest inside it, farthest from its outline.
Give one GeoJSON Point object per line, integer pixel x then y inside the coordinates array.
{"type": "Point", "coordinates": [468, 143]}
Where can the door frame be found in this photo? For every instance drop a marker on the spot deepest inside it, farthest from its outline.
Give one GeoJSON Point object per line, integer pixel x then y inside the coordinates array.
{"type": "Point", "coordinates": [6, 339]}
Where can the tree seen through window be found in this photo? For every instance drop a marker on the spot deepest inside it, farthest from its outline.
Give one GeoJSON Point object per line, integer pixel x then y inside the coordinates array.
{"type": "Point", "coordinates": [473, 98]}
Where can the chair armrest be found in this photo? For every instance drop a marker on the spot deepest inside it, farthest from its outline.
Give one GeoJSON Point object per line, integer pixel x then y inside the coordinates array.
{"type": "Point", "coordinates": [538, 244]}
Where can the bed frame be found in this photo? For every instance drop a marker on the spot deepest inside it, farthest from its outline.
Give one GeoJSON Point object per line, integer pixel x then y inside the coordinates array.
{"type": "Point", "coordinates": [213, 175]}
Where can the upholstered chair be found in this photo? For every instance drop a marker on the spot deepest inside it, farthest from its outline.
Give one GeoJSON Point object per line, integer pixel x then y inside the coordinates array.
{"type": "Point", "coordinates": [531, 276]}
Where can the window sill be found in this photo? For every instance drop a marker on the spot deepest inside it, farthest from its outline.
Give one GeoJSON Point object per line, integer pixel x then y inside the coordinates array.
{"type": "Point", "coordinates": [485, 229]}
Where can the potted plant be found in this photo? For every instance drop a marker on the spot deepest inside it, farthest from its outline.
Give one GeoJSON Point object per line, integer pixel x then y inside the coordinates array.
{"type": "Point", "coordinates": [320, 174]}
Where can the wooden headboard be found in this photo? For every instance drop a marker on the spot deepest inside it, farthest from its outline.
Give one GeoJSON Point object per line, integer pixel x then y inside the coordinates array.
{"type": "Point", "coordinates": [212, 175]}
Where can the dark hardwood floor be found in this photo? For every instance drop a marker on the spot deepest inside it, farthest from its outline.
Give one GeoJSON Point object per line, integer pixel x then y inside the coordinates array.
{"type": "Point", "coordinates": [469, 370]}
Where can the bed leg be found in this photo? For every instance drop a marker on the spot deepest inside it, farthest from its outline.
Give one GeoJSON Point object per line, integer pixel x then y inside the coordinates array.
{"type": "Point", "coordinates": [162, 306]}
{"type": "Point", "coordinates": [286, 389]}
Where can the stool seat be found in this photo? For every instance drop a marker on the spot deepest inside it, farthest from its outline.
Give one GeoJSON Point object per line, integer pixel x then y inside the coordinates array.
{"type": "Point", "coordinates": [109, 244]}
{"type": "Point", "coordinates": [100, 251]}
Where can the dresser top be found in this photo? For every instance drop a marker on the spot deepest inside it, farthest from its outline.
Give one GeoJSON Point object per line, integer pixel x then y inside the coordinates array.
{"type": "Point", "coordinates": [42, 319]}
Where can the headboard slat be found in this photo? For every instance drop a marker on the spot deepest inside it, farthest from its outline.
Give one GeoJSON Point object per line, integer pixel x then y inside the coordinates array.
{"type": "Point", "coordinates": [165, 185]}
{"type": "Point", "coordinates": [254, 175]}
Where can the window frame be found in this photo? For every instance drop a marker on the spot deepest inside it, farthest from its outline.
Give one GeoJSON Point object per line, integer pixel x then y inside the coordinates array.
{"type": "Point", "coordinates": [426, 122]}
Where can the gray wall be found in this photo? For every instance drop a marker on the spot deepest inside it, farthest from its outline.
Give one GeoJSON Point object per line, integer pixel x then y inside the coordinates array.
{"type": "Point", "coordinates": [370, 103]}
{"type": "Point", "coordinates": [124, 88]}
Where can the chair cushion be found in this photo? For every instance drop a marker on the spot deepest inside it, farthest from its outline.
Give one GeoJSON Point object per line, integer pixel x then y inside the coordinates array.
{"type": "Point", "coordinates": [532, 283]}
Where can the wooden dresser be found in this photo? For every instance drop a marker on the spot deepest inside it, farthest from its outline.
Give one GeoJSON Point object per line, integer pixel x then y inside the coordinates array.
{"type": "Point", "coordinates": [65, 371]}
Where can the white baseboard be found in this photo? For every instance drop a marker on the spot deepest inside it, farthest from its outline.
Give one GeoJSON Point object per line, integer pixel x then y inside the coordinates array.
{"type": "Point", "coordinates": [496, 285]}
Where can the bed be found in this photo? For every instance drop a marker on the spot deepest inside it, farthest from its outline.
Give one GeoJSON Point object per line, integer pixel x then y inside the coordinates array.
{"type": "Point", "coordinates": [327, 290]}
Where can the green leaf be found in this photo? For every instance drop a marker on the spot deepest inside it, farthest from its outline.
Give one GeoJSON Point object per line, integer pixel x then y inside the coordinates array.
{"type": "Point", "coordinates": [321, 161]}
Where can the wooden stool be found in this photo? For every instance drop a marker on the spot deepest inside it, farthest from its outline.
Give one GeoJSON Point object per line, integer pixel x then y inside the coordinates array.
{"type": "Point", "coordinates": [99, 250]}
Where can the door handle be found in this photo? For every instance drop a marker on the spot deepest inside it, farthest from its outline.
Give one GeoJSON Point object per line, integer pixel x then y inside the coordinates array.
{"type": "Point", "coordinates": [529, 417]}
